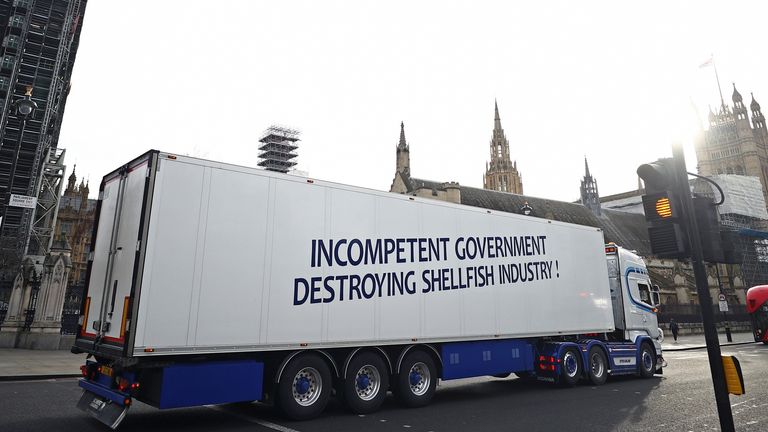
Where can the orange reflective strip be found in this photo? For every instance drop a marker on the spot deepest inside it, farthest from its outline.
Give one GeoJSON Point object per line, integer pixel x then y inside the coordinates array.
{"type": "Point", "coordinates": [125, 316]}
{"type": "Point", "coordinates": [85, 316]}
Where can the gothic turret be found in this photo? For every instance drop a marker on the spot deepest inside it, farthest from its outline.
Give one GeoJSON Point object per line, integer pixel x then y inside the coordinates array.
{"type": "Point", "coordinates": [403, 153]}
{"type": "Point", "coordinates": [72, 181]}
{"type": "Point", "coordinates": [590, 198]}
{"type": "Point", "coordinates": [501, 173]}
{"type": "Point", "coordinates": [739, 110]}
{"type": "Point", "coordinates": [758, 121]}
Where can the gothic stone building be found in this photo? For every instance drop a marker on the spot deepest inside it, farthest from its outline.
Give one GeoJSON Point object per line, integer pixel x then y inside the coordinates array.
{"type": "Point", "coordinates": [626, 229]}
{"type": "Point", "coordinates": [622, 227]}
{"type": "Point", "coordinates": [733, 145]}
{"type": "Point", "coordinates": [75, 225]}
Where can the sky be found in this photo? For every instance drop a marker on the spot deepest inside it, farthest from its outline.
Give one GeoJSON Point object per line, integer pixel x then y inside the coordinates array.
{"type": "Point", "coordinates": [613, 81]}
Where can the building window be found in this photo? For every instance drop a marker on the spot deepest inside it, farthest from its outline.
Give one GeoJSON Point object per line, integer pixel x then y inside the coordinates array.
{"type": "Point", "coordinates": [8, 62]}
{"type": "Point", "coordinates": [16, 21]}
{"type": "Point", "coordinates": [11, 42]}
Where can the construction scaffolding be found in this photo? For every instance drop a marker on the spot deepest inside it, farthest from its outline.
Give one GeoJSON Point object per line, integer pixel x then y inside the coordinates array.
{"type": "Point", "coordinates": [278, 148]}
{"type": "Point", "coordinates": [39, 42]}
{"type": "Point", "coordinates": [744, 218]}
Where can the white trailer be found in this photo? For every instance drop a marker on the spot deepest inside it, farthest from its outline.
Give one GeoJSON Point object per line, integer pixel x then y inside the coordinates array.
{"type": "Point", "coordinates": [255, 285]}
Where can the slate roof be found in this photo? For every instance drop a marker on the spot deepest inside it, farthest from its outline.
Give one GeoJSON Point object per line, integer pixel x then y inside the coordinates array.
{"type": "Point", "coordinates": [627, 230]}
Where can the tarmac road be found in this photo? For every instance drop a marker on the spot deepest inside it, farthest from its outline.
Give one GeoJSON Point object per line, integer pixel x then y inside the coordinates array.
{"type": "Point", "coordinates": [680, 400]}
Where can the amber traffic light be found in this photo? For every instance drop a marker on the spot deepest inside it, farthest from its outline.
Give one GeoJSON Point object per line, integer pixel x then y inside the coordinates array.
{"type": "Point", "coordinates": [662, 207]}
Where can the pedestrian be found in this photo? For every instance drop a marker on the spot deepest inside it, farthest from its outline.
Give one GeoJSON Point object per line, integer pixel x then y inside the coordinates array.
{"type": "Point", "coordinates": [674, 327]}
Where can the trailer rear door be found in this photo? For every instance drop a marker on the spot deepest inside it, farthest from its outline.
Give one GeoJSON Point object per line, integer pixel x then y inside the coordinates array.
{"type": "Point", "coordinates": [116, 258]}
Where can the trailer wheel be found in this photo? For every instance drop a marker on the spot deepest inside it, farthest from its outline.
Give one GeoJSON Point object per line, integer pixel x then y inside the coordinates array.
{"type": "Point", "coordinates": [417, 380]}
{"type": "Point", "coordinates": [366, 383]}
{"type": "Point", "coordinates": [598, 366]}
{"type": "Point", "coordinates": [304, 387]}
{"type": "Point", "coordinates": [647, 366]}
{"type": "Point", "coordinates": [570, 370]}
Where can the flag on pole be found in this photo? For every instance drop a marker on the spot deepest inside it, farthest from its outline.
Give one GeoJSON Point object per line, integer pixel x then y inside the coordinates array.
{"type": "Point", "coordinates": [707, 63]}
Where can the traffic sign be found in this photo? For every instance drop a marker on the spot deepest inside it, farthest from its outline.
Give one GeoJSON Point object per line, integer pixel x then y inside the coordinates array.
{"type": "Point", "coordinates": [24, 201]}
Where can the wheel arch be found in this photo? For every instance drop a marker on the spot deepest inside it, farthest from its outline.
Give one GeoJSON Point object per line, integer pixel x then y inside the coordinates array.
{"type": "Point", "coordinates": [586, 347]}
{"type": "Point", "coordinates": [373, 349]}
{"type": "Point", "coordinates": [429, 349]}
{"type": "Point", "coordinates": [327, 358]}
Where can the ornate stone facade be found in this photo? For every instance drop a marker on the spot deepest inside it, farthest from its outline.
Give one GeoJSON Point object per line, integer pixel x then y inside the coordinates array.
{"type": "Point", "coordinates": [75, 225]}
{"type": "Point", "coordinates": [734, 146]}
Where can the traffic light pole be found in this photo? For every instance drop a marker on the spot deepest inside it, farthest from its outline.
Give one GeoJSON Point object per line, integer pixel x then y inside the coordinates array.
{"type": "Point", "coordinates": [702, 288]}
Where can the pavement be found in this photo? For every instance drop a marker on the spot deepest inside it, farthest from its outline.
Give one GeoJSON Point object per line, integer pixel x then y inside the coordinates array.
{"type": "Point", "coordinates": [21, 364]}
{"type": "Point", "coordinates": [689, 342]}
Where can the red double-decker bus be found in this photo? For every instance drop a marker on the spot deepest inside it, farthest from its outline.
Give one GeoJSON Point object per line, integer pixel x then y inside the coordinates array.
{"type": "Point", "coordinates": [757, 306]}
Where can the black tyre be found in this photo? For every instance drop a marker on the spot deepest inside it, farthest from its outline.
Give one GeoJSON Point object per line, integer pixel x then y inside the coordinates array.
{"type": "Point", "coordinates": [647, 366]}
{"type": "Point", "coordinates": [366, 383]}
{"type": "Point", "coordinates": [416, 380]}
{"type": "Point", "coordinates": [570, 370]}
{"type": "Point", "coordinates": [597, 369]}
{"type": "Point", "coordinates": [304, 387]}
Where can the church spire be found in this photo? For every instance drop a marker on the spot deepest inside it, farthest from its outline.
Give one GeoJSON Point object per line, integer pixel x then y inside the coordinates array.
{"type": "Point", "coordinates": [590, 198]}
{"type": "Point", "coordinates": [402, 144]}
{"type": "Point", "coordinates": [72, 181]}
{"type": "Point", "coordinates": [501, 173]}
{"type": "Point", "coordinates": [403, 163]}
{"type": "Point", "coordinates": [496, 118]}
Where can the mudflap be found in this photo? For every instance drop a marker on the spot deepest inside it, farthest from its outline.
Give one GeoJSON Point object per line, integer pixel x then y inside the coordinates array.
{"type": "Point", "coordinates": [106, 411]}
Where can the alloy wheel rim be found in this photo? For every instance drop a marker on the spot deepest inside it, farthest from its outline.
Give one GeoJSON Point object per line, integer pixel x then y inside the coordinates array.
{"type": "Point", "coordinates": [367, 382]}
{"type": "Point", "coordinates": [307, 386]}
{"type": "Point", "coordinates": [419, 378]}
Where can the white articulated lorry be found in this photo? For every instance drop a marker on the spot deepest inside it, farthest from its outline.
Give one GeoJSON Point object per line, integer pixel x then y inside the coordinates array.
{"type": "Point", "coordinates": [213, 283]}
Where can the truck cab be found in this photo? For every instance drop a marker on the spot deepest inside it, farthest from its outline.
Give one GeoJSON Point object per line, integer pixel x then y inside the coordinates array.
{"type": "Point", "coordinates": [634, 298]}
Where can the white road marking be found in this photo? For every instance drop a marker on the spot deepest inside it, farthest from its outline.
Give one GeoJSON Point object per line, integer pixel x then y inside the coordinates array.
{"type": "Point", "coordinates": [259, 422]}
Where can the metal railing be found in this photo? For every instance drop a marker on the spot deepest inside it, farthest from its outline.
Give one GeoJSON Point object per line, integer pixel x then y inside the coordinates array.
{"type": "Point", "coordinates": [692, 313]}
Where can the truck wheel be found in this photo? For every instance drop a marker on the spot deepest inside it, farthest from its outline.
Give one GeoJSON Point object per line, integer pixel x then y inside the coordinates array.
{"type": "Point", "coordinates": [570, 371]}
{"type": "Point", "coordinates": [598, 366]}
{"type": "Point", "coordinates": [417, 380]}
{"type": "Point", "coordinates": [304, 387]}
{"type": "Point", "coordinates": [647, 366]}
{"type": "Point", "coordinates": [366, 383]}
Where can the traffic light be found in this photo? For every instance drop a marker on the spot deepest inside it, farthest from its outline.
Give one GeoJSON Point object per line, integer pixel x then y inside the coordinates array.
{"type": "Point", "coordinates": [730, 244]}
{"type": "Point", "coordinates": [663, 208]}
{"type": "Point", "coordinates": [709, 229]}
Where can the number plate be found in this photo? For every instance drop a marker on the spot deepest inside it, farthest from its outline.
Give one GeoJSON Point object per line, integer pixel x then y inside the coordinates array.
{"type": "Point", "coordinates": [106, 370]}
{"type": "Point", "coordinates": [97, 404]}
